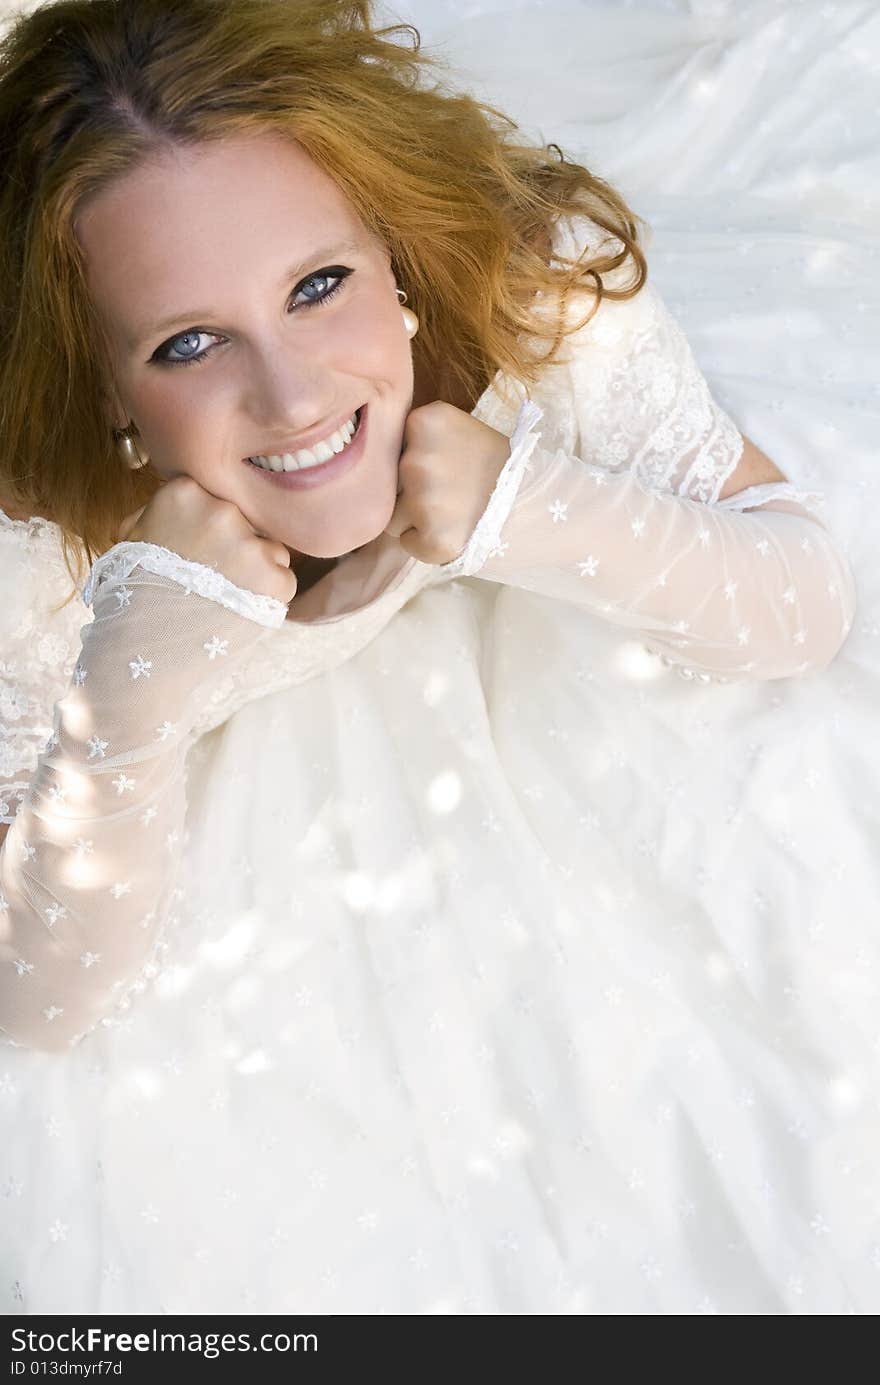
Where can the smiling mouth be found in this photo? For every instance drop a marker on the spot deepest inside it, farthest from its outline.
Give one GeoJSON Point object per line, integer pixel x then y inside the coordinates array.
{"type": "Point", "coordinates": [309, 466]}
{"type": "Point", "coordinates": [308, 478]}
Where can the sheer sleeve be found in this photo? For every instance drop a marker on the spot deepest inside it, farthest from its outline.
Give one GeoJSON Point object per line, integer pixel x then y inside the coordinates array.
{"type": "Point", "coordinates": [638, 400]}
{"type": "Point", "coordinates": [39, 645]}
{"type": "Point", "coordinates": [624, 519]}
{"type": "Point", "coordinates": [88, 868]}
{"type": "Point", "coordinates": [735, 595]}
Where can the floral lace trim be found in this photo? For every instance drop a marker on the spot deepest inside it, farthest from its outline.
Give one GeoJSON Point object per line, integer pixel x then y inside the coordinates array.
{"type": "Point", "coordinates": [119, 561]}
{"type": "Point", "coordinates": [29, 528]}
{"type": "Point", "coordinates": [9, 792]}
{"type": "Point", "coordinates": [772, 490]}
{"type": "Point", "coordinates": [488, 528]}
{"type": "Point", "coordinates": [718, 457]}
{"type": "Point", "coordinates": [650, 407]}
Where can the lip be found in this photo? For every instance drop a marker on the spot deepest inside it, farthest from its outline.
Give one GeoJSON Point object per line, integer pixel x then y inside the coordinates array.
{"type": "Point", "coordinates": [330, 470]}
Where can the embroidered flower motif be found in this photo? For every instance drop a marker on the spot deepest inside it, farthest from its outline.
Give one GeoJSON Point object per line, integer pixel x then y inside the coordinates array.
{"type": "Point", "coordinates": [589, 567]}
{"type": "Point", "coordinates": [140, 667]}
{"type": "Point", "coordinates": [215, 646]}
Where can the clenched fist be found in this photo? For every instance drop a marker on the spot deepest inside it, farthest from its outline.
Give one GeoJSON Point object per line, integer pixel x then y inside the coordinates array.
{"type": "Point", "coordinates": [186, 519]}
{"type": "Point", "coordinates": [447, 472]}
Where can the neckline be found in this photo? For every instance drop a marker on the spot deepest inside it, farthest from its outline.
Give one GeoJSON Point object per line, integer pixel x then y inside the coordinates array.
{"type": "Point", "coordinates": [397, 576]}
{"type": "Point", "coordinates": [35, 525]}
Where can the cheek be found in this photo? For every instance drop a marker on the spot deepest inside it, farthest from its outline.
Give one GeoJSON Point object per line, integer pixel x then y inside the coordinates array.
{"type": "Point", "coordinates": [183, 439]}
{"type": "Point", "coordinates": [161, 410]}
{"type": "Point", "coordinates": [184, 431]}
{"type": "Point", "coordinates": [376, 343]}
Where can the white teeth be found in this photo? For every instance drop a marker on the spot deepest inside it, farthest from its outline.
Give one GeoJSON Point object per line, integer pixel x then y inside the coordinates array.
{"type": "Point", "coordinates": [314, 456]}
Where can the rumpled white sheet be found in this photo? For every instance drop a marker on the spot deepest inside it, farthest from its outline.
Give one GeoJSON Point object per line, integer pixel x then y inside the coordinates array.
{"type": "Point", "coordinates": [748, 136]}
{"type": "Point", "coordinates": [748, 816]}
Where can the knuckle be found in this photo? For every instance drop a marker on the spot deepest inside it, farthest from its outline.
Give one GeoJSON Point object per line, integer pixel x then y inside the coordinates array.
{"type": "Point", "coordinates": [423, 419]}
{"type": "Point", "coordinates": [415, 465]}
{"type": "Point", "coordinates": [184, 485]}
{"type": "Point", "coordinates": [222, 514]}
{"type": "Point", "coordinates": [437, 551]}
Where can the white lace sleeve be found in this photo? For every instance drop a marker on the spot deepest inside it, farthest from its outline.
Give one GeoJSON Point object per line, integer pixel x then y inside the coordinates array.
{"type": "Point", "coordinates": [38, 647]}
{"type": "Point", "coordinates": [644, 405]}
{"type": "Point", "coordinates": [641, 400]}
{"type": "Point", "coordinates": [88, 867]}
{"type": "Point", "coordinates": [117, 564]}
{"type": "Point", "coordinates": [753, 595]}
{"type": "Point", "coordinates": [627, 523]}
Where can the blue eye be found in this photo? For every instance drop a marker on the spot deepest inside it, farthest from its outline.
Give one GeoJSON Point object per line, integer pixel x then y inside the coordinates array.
{"type": "Point", "coordinates": [338, 272]}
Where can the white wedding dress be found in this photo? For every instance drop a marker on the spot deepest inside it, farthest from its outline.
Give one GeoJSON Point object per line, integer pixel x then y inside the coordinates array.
{"type": "Point", "coordinates": [382, 956]}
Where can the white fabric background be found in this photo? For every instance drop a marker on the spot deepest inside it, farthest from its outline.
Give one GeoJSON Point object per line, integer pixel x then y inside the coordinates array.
{"type": "Point", "coordinates": [687, 1121]}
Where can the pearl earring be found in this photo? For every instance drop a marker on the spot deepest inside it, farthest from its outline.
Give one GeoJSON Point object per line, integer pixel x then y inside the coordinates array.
{"type": "Point", "coordinates": [126, 448]}
{"type": "Point", "coordinates": [410, 320]}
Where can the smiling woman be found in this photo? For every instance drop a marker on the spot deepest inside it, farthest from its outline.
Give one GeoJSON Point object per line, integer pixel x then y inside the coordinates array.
{"type": "Point", "coordinates": [284, 358]}
{"type": "Point", "coordinates": [321, 889]}
{"type": "Point", "coordinates": [305, 205]}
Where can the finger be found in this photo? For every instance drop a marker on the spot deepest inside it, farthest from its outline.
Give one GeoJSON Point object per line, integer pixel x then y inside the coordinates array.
{"type": "Point", "coordinates": [399, 472]}
{"type": "Point", "coordinates": [410, 542]}
{"type": "Point", "coordinates": [400, 520]}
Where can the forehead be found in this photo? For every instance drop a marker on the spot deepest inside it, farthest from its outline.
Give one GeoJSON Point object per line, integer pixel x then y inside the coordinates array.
{"type": "Point", "coordinates": [263, 166]}
{"type": "Point", "coordinates": [183, 224]}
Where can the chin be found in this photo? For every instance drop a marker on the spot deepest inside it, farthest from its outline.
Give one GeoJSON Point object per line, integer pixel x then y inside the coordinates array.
{"type": "Point", "coordinates": [325, 552]}
{"type": "Point", "coordinates": [357, 537]}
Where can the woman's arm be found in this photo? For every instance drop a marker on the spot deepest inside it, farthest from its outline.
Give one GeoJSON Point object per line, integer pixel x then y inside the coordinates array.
{"type": "Point", "coordinates": [753, 469]}
{"type": "Point", "coordinates": [640, 500]}
{"type": "Point", "coordinates": [89, 867]}
{"type": "Point", "coordinates": [755, 595]}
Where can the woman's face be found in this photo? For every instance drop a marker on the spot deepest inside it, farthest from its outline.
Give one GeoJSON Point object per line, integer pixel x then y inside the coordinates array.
{"type": "Point", "coordinates": [217, 253]}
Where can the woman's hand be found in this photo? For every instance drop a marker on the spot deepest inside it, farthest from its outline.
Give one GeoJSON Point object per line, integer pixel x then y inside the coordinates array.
{"type": "Point", "coordinates": [447, 472]}
{"type": "Point", "coordinates": [185, 518]}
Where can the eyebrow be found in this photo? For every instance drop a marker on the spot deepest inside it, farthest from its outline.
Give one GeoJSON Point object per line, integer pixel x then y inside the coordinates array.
{"type": "Point", "coordinates": [145, 334]}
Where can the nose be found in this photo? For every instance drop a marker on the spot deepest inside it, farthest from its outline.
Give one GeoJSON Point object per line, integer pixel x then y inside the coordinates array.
{"type": "Point", "coordinates": [288, 393]}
